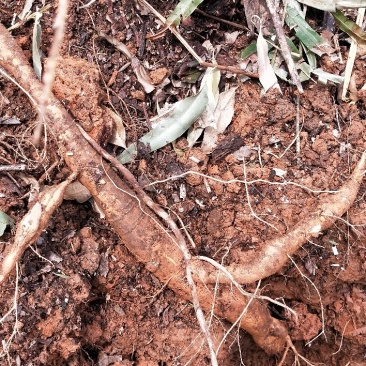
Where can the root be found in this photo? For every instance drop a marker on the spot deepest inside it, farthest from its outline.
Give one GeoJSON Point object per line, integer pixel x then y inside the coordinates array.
{"type": "Point", "coordinates": [138, 228]}
{"type": "Point", "coordinates": [273, 255]}
{"type": "Point", "coordinates": [49, 73]}
{"type": "Point", "coordinates": [142, 234]}
{"type": "Point", "coordinates": [298, 356]}
{"type": "Point", "coordinates": [179, 239]}
{"type": "Point", "coordinates": [32, 225]}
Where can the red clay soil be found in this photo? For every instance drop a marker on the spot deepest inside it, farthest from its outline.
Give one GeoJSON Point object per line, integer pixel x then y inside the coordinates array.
{"type": "Point", "coordinates": [85, 300]}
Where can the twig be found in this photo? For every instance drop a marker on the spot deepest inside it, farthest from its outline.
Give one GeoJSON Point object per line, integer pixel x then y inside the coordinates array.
{"type": "Point", "coordinates": [140, 72]}
{"type": "Point", "coordinates": [49, 73]}
{"type": "Point", "coordinates": [250, 205]}
{"type": "Point", "coordinates": [232, 69]}
{"type": "Point", "coordinates": [286, 52]}
{"type": "Point", "coordinates": [222, 269]}
{"type": "Point", "coordinates": [5, 74]}
{"type": "Point", "coordinates": [284, 355]}
{"type": "Point", "coordinates": [191, 50]}
{"type": "Point", "coordinates": [341, 343]}
{"type": "Point", "coordinates": [236, 25]}
{"type": "Point", "coordinates": [11, 168]}
{"type": "Point", "coordinates": [298, 141]}
{"type": "Point", "coordinates": [297, 354]}
{"type": "Point", "coordinates": [87, 5]}
{"type": "Point", "coordinates": [239, 318]}
{"type": "Point", "coordinates": [231, 181]}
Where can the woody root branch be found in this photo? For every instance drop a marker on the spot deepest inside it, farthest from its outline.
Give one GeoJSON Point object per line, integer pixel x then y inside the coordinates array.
{"type": "Point", "coordinates": [149, 234]}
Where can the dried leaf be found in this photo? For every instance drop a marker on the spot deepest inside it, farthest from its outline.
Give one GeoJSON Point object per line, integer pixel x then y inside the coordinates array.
{"type": "Point", "coordinates": [243, 152]}
{"type": "Point", "coordinates": [223, 115]}
{"type": "Point", "coordinates": [141, 74]}
{"type": "Point", "coordinates": [332, 5]}
{"type": "Point", "coordinates": [9, 121]}
{"type": "Point", "coordinates": [36, 42]}
{"type": "Point", "coordinates": [27, 7]}
{"type": "Point", "coordinates": [119, 132]}
{"type": "Point", "coordinates": [194, 134]}
{"type": "Point", "coordinates": [173, 124]}
{"type": "Point", "coordinates": [208, 116]}
{"type": "Point", "coordinates": [279, 172]}
{"type": "Point", "coordinates": [259, 8]}
{"type": "Point", "coordinates": [267, 76]}
{"type": "Point", "coordinates": [230, 38]}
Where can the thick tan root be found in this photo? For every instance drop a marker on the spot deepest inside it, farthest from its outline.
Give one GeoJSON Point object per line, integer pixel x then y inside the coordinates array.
{"type": "Point", "coordinates": [146, 238]}
{"type": "Point", "coordinates": [273, 255]}
{"type": "Point", "coordinates": [137, 226]}
{"type": "Point", "coordinates": [32, 225]}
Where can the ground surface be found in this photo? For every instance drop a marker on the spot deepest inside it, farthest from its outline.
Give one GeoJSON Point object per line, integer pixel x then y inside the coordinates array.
{"type": "Point", "coordinates": [91, 302]}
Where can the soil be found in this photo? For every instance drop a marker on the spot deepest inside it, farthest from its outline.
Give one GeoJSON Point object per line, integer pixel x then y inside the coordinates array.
{"type": "Point", "coordinates": [85, 300]}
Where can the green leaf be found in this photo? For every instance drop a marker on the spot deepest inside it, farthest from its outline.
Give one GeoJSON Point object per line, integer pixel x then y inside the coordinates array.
{"type": "Point", "coordinates": [350, 27]}
{"type": "Point", "coordinates": [176, 121]}
{"type": "Point", "coordinates": [312, 40]}
{"type": "Point", "coordinates": [191, 76]}
{"type": "Point", "coordinates": [248, 51]}
{"type": "Point", "coordinates": [303, 30]}
{"type": "Point", "coordinates": [311, 57]}
{"type": "Point", "coordinates": [305, 71]}
{"type": "Point", "coordinates": [280, 72]}
{"type": "Point", "coordinates": [184, 9]}
{"type": "Point", "coordinates": [295, 52]}
{"type": "Point", "coordinates": [5, 220]}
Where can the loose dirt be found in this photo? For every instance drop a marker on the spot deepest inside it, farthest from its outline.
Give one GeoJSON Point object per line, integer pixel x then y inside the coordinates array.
{"type": "Point", "coordinates": [85, 300]}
